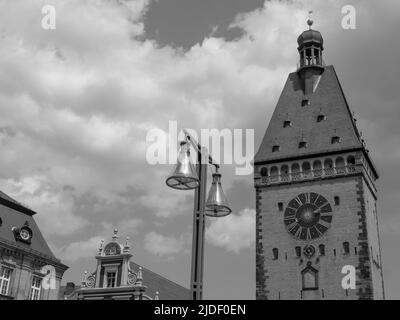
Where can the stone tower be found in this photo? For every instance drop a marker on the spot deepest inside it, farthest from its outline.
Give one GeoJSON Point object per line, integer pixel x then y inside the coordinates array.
{"type": "Point", "coordinates": [315, 192]}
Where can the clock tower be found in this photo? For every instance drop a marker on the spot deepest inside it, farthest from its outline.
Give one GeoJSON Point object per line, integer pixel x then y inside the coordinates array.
{"type": "Point", "coordinates": [316, 220]}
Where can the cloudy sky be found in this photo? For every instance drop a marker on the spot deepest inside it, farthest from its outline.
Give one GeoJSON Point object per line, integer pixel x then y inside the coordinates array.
{"type": "Point", "coordinates": [77, 104]}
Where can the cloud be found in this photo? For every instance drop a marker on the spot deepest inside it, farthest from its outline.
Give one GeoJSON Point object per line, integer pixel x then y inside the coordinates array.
{"type": "Point", "coordinates": [87, 249]}
{"type": "Point", "coordinates": [55, 206]}
{"type": "Point", "coordinates": [234, 232]}
{"type": "Point", "coordinates": [79, 101]}
{"type": "Point", "coordinates": [165, 246]}
{"type": "Point", "coordinates": [79, 250]}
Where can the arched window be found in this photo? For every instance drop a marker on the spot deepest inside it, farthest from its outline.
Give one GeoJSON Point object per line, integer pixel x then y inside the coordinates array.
{"type": "Point", "coordinates": [317, 165]}
{"type": "Point", "coordinates": [340, 162]}
{"type": "Point", "coordinates": [298, 252]}
{"type": "Point", "coordinates": [274, 172]}
{"type": "Point", "coordinates": [346, 248]}
{"type": "Point", "coordinates": [264, 172]}
{"type": "Point", "coordinates": [306, 168]}
{"type": "Point", "coordinates": [112, 249]}
{"type": "Point", "coordinates": [336, 200]}
{"type": "Point", "coordinates": [321, 249]}
{"type": "Point", "coordinates": [328, 164]}
{"type": "Point", "coordinates": [275, 253]}
{"type": "Point", "coordinates": [295, 168]}
{"type": "Point", "coordinates": [310, 278]}
{"type": "Point", "coordinates": [284, 170]}
{"type": "Point", "coordinates": [351, 160]}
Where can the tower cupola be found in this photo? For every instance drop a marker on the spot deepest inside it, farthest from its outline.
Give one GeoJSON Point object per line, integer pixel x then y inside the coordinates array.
{"type": "Point", "coordinates": [311, 45]}
{"type": "Point", "coordinates": [311, 66]}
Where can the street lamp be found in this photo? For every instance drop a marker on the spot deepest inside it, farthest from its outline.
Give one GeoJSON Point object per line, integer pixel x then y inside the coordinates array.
{"type": "Point", "coordinates": [186, 177]}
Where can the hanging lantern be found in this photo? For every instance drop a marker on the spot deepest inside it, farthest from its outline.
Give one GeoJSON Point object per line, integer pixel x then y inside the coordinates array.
{"type": "Point", "coordinates": [184, 176]}
{"type": "Point", "coordinates": [217, 204]}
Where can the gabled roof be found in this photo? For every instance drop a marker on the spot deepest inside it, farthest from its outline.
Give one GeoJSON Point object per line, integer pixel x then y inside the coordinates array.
{"type": "Point", "coordinates": [168, 290]}
{"type": "Point", "coordinates": [13, 214]}
{"type": "Point", "coordinates": [328, 99]}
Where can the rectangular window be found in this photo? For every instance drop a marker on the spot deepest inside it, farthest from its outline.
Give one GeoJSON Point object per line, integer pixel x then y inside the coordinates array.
{"type": "Point", "coordinates": [111, 279]}
{"type": "Point", "coordinates": [287, 123]}
{"type": "Point", "coordinates": [335, 140]}
{"type": "Point", "coordinates": [35, 288]}
{"type": "Point", "coordinates": [5, 276]}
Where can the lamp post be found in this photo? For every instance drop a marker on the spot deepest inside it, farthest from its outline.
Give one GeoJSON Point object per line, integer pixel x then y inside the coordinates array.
{"type": "Point", "coordinates": [186, 177]}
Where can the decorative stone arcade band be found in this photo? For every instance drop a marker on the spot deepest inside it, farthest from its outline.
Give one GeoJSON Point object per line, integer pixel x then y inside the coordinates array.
{"type": "Point", "coordinates": [306, 170]}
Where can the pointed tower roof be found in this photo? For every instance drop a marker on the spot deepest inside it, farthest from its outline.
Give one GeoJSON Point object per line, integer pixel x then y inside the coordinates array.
{"type": "Point", "coordinates": [327, 101]}
{"type": "Point", "coordinates": [312, 116]}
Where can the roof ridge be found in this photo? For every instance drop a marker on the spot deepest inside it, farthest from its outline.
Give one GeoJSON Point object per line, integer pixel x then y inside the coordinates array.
{"type": "Point", "coordinates": [157, 274]}
{"type": "Point", "coordinates": [25, 209]}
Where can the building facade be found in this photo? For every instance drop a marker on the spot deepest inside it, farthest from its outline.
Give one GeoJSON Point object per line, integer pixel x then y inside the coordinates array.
{"type": "Point", "coordinates": [116, 277]}
{"type": "Point", "coordinates": [28, 268]}
{"type": "Point", "coordinates": [315, 192]}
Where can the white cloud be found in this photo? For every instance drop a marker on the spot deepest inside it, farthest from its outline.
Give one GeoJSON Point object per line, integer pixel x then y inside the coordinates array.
{"type": "Point", "coordinates": [56, 207]}
{"type": "Point", "coordinates": [234, 232]}
{"type": "Point", "coordinates": [85, 249]}
{"type": "Point", "coordinates": [80, 99]}
{"type": "Point", "coordinates": [167, 246]}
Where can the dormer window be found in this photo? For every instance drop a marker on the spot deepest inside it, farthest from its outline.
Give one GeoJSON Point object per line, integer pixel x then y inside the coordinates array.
{"type": "Point", "coordinates": [23, 234]}
{"type": "Point", "coordinates": [302, 144]}
{"type": "Point", "coordinates": [276, 148]}
{"type": "Point", "coordinates": [111, 277]}
{"type": "Point", "coordinates": [335, 140]}
{"type": "Point", "coordinates": [305, 102]}
{"type": "Point", "coordinates": [287, 123]}
{"type": "Point", "coordinates": [321, 118]}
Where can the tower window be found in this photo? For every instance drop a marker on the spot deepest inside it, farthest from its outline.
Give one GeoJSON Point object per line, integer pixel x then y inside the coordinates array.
{"type": "Point", "coordinates": [280, 206]}
{"type": "Point", "coordinates": [335, 140]}
{"type": "Point", "coordinates": [321, 117]}
{"type": "Point", "coordinates": [302, 144]}
{"type": "Point", "coordinates": [276, 148]}
{"type": "Point", "coordinates": [321, 250]}
{"type": "Point", "coordinates": [337, 200]}
{"type": "Point", "coordinates": [275, 254]}
{"type": "Point", "coordinates": [310, 278]}
{"type": "Point", "coordinates": [264, 172]}
{"type": "Point", "coordinates": [287, 123]}
{"type": "Point", "coordinates": [346, 248]}
{"type": "Point", "coordinates": [298, 252]}
{"type": "Point", "coordinates": [305, 102]}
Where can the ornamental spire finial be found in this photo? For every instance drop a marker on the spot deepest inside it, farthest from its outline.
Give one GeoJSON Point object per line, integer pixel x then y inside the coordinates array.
{"type": "Point", "coordinates": [310, 21]}
{"type": "Point", "coordinates": [115, 236]}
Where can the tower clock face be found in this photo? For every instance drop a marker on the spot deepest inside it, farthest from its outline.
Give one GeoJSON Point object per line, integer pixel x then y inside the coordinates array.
{"type": "Point", "coordinates": [308, 216]}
